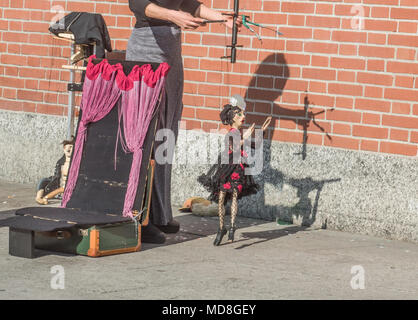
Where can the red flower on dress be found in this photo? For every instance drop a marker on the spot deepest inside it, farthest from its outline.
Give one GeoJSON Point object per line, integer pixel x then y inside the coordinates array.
{"type": "Point", "coordinates": [239, 188]}
{"type": "Point", "coordinates": [235, 176]}
{"type": "Point", "coordinates": [227, 186]}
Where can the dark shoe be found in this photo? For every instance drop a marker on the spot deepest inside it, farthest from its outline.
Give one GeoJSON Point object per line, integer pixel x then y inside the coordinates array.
{"type": "Point", "coordinates": [231, 234]}
{"type": "Point", "coordinates": [219, 236]}
{"type": "Point", "coordinates": [172, 227]}
{"type": "Point", "coordinates": [151, 234]}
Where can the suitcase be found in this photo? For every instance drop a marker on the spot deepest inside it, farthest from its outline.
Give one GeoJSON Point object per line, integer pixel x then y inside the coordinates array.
{"type": "Point", "coordinates": [100, 240]}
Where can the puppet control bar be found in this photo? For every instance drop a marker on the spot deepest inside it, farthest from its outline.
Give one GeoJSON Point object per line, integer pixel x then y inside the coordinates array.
{"type": "Point", "coordinates": [233, 44]}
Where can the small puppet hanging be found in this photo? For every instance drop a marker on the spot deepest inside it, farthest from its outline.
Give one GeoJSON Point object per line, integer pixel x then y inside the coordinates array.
{"type": "Point", "coordinates": [49, 188]}
{"type": "Point", "coordinates": [228, 179]}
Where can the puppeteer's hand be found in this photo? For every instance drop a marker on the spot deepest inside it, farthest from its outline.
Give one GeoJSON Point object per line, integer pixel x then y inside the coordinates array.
{"type": "Point", "coordinates": [248, 132]}
{"type": "Point", "coordinates": [230, 22]}
{"type": "Point", "coordinates": [185, 20]}
{"type": "Point", "coordinates": [266, 124]}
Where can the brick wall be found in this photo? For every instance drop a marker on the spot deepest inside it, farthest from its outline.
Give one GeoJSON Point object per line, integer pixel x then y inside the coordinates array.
{"type": "Point", "coordinates": [342, 75]}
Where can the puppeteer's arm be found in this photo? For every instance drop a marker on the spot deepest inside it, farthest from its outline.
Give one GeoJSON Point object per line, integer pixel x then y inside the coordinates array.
{"type": "Point", "coordinates": [183, 19]}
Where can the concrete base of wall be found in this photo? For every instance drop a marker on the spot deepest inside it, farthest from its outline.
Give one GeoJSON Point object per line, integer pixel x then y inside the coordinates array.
{"type": "Point", "coordinates": [357, 192]}
{"type": "Point", "coordinates": [30, 145]}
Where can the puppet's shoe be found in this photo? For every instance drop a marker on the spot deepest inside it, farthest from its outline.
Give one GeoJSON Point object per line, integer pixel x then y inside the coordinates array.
{"type": "Point", "coordinates": [151, 234]}
{"type": "Point", "coordinates": [231, 234]}
{"type": "Point", "coordinates": [172, 227]}
{"type": "Point", "coordinates": [219, 236]}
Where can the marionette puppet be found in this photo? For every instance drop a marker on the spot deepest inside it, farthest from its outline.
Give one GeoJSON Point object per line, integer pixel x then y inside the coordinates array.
{"type": "Point", "coordinates": [51, 187]}
{"type": "Point", "coordinates": [227, 180]}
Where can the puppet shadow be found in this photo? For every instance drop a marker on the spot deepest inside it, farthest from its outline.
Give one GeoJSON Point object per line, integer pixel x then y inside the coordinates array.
{"type": "Point", "coordinates": [275, 66]}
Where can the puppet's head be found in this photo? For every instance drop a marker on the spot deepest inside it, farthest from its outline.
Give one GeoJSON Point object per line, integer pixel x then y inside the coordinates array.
{"type": "Point", "coordinates": [232, 115]}
{"type": "Point", "coordinates": [68, 147]}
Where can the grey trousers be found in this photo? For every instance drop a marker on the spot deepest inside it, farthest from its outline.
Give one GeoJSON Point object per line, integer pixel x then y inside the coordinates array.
{"type": "Point", "coordinates": [162, 44]}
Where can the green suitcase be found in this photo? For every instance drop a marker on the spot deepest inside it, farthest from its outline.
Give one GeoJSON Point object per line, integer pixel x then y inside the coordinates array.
{"type": "Point", "coordinates": [100, 240]}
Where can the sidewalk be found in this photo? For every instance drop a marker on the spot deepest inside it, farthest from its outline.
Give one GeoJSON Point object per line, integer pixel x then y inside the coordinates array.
{"type": "Point", "coordinates": [267, 261]}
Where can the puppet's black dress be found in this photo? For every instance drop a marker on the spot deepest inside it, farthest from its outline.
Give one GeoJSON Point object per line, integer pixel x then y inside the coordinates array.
{"type": "Point", "coordinates": [229, 175]}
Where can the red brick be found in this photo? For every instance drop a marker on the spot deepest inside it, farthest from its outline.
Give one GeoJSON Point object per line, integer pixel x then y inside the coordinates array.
{"type": "Point", "coordinates": [342, 142]}
{"type": "Point", "coordinates": [380, 12]}
{"type": "Point", "coordinates": [192, 124]}
{"type": "Point", "coordinates": [293, 45]}
{"type": "Point", "coordinates": [296, 20]}
{"type": "Point", "coordinates": [299, 33]}
{"type": "Point", "coordinates": [322, 22]}
{"type": "Point", "coordinates": [370, 132]}
{"type": "Point", "coordinates": [375, 78]}
{"type": "Point", "coordinates": [325, 9]}
{"type": "Point", "coordinates": [371, 118]}
{"type": "Point", "coordinates": [346, 76]}
{"type": "Point", "coordinates": [316, 73]}
{"type": "Point", "coordinates": [207, 114]}
{"type": "Point", "coordinates": [401, 94]}
{"type": "Point", "coordinates": [343, 129]}
{"type": "Point", "coordinates": [348, 63]}
{"type": "Point", "coordinates": [402, 67]}
{"type": "Point", "coordinates": [405, 54]}
{"type": "Point", "coordinates": [287, 124]}
{"type": "Point", "coordinates": [321, 34]}
{"type": "Point", "coordinates": [381, 2]}
{"type": "Point", "coordinates": [369, 145]}
{"type": "Point", "coordinates": [345, 89]}
{"type": "Point", "coordinates": [295, 7]}
{"type": "Point", "coordinates": [210, 126]}
{"type": "Point", "coordinates": [321, 47]}
{"type": "Point", "coordinates": [322, 100]}
{"type": "Point", "coordinates": [344, 102]}
{"type": "Point", "coordinates": [373, 105]}
{"type": "Point", "coordinates": [50, 109]}
{"type": "Point", "coordinates": [399, 135]}
{"type": "Point", "coordinates": [403, 40]}
{"type": "Point", "coordinates": [375, 65]}
{"type": "Point", "coordinates": [373, 92]}
{"type": "Point", "coordinates": [376, 38]}
{"type": "Point", "coordinates": [344, 115]}
{"type": "Point", "coordinates": [348, 49]}
{"type": "Point", "coordinates": [298, 59]}
{"type": "Point", "coordinates": [398, 148]}
{"type": "Point", "coordinates": [287, 136]}
{"type": "Point", "coordinates": [379, 52]}
{"type": "Point", "coordinates": [404, 13]}
{"type": "Point", "coordinates": [320, 61]}
{"type": "Point", "coordinates": [414, 137]}
{"type": "Point", "coordinates": [316, 86]}
{"type": "Point", "coordinates": [380, 25]}
{"type": "Point", "coordinates": [349, 36]}
{"type": "Point", "coordinates": [407, 27]}
{"type": "Point", "coordinates": [400, 122]}
{"type": "Point", "coordinates": [404, 81]}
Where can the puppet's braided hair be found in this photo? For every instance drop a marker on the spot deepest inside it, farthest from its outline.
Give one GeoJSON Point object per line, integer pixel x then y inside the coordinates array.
{"type": "Point", "coordinates": [228, 113]}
